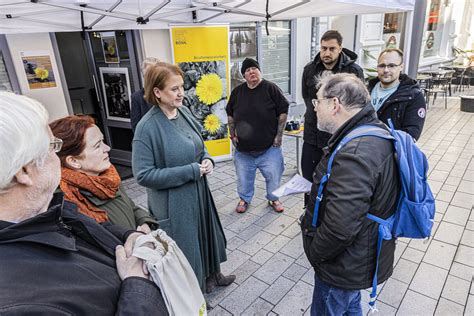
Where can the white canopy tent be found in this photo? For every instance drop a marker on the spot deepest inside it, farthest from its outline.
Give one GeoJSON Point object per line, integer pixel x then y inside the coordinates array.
{"type": "Point", "coordinates": [31, 16]}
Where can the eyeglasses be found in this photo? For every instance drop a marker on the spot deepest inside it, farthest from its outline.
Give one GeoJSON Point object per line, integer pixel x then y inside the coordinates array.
{"type": "Point", "coordinates": [56, 144]}
{"type": "Point", "coordinates": [316, 102]}
{"type": "Point", "coordinates": [389, 66]}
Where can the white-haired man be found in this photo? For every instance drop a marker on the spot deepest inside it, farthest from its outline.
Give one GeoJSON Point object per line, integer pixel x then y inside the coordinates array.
{"type": "Point", "coordinates": [54, 260]}
{"type": "Point", "coordinates": [341, 244]}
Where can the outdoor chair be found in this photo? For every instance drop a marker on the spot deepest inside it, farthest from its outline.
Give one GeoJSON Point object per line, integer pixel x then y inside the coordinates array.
{"type": "Point", "coordinates": [439, 85]}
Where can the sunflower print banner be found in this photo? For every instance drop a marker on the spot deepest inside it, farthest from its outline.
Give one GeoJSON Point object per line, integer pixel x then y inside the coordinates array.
{"type": "Point", "coordinates": [202, 53]}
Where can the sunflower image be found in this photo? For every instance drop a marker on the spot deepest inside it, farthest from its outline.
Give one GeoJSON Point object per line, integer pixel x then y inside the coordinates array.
{"type": "Point", "coordinates": [41, 73]}
{"type": "Point", "coordinates": [209, 89]}
{"type": "Point", "coordinates": [111, 50]}
{"type": "Point", "coordinates": [212, 124]}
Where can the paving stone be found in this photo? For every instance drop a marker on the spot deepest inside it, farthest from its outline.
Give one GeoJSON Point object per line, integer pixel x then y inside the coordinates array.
{"type": "Point", "coordinates": [441, 206]}
{"type": "Point", "coordinates": [469, 306]}
{"type": "Point", "coordinates": [303, 261]}
{"type": "Point", "coordinates": [462, 271]}
{"type": "Point", "coordinates": [436, 175]}
{"type": "Point", "coordinates": [453, 180]}
{"type": "Point", "coordinates": [429, 280]}
{"type": "Point", "coordinates": [449, 188]}
{"type": "Point", "coordinates": [244, 271]}
{"type": "Point", "coordinates": [279, 225]}
{"type": "Point", "coordinates": [463, 200]}
{"type": "Point", "coordinates": [262, 256]}
{"type": "Point", "coordinates": [277, 290]}
{"type": "Point", "coordinates": [456, 290]}
{"type": "Point", "coordinates": [257, 242]}
{"type": "Point", "coordinates": [466, 187]}
{"type": "Point", "coordinates": [296, 301]}
{"type": "Point", "coordinates": [221, 292]}
{"type": "Point", "coordinates": [234, 260]}
{"type": "Point", "coordinates": [295, 272]}
{"type": "Point", "coordinates": [470, 225]}
{"type": "Point", "coordinates": [468, 238]}
{"type": "Point", "coordinates": [393, 292]}
{"type": "Point", "coordinates": [292, 231]}
{"type": "Point", "coordinates": [258, 307]}
{"type": "Point", "coordinates": [308, 277]}
{"type": "Point", "coordinates": [266, 219]}
{"type": "Point", "coordinates": [413, 255]}
{"type": "Point", "coordinates": [243, 296]}
{"type": "Point", "coordinates": [422, 244]}
{"type": "Point", "coordinates": [273, 268]}
{"type": "Point", "coordinates": [445, 196]}
{"type": "Point", "coordinates": [404, 271]}
{"type": "Point", "coordinates": [218, 311]}
{"type": "Point", "coordinates": [456, 215]}
{"type": "Point", "coordinates": [399, 249]}
{"type": "Point", "coordinates": [234, 243]}
{"type": "Point", "coordinates": [244, 221]}
{"type": "Point", "coordinates": [435, 186]}
{"type": "Point", "coordinates": [250, 232]}
{"type": "Point", "coordinates": [448, 308]}
{"type": "Point", "coordinates": [444, 166]}
{"type": "Point", "coordinates": [416, 304]}
{"type": "Point", "coordinates": [294, 248]}
{"type": "Point", "coordinates": [465, 255]}
{"type": "Point", "coordinates": [440, 254]}
{"type": "Point", "coordinates": [277, 243]}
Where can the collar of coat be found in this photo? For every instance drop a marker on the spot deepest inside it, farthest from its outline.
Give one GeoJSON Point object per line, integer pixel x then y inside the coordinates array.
{"type": "Point", "coordinates": [346, 58]}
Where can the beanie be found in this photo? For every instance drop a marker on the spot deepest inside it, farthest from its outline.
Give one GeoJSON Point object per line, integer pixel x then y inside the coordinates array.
{"type": "Point", "coordinates": [247, 63]}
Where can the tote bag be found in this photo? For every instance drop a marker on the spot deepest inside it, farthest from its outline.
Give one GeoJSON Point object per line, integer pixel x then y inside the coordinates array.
{"type": "Point", "coordinates": [172, 273]}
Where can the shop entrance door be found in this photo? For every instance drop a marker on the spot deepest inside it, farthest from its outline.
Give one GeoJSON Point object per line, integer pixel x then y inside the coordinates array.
{"type": "Point", "coordinates": [101, 73]}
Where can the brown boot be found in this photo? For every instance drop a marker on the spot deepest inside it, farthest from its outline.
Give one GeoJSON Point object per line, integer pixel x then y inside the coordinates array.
{"type": "Point", "coordinates": [223, 280]}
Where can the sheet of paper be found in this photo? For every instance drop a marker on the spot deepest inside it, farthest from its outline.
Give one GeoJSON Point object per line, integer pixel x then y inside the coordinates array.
{"type": "Point", "coordinates": [296, 185]}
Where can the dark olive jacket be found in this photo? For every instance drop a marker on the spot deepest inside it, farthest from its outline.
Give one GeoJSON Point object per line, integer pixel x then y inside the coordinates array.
{"type": "Point", "coordinates": [122, 211]}
{"type": "Point", "coordinates": [364, 179]}
{"type": "Point", "coordinates": [61, 262]}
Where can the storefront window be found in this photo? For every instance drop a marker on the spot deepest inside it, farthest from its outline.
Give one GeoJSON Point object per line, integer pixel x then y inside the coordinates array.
{"type": "Point", "coordinates": [276, 57]}
{"type": "Point", "coordinates": [243, 44]}
{"type": "Point", "coordinates": [393, 28]}
{"type": "Point", "coordinates": [5, 84]}
{"type": "Point", "coordinates": [434, 30]}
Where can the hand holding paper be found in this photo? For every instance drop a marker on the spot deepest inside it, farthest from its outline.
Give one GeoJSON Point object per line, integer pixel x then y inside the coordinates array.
{"type": "Point", "coordinates": [296, 185]}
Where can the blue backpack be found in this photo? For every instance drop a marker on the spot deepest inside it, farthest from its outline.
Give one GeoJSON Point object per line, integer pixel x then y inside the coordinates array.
{"type": "Point", "coordinates": [415, 211]}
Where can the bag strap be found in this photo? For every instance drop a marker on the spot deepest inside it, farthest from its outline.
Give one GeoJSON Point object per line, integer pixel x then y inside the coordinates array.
{"type": "Point", "coordinates": [360, 131]}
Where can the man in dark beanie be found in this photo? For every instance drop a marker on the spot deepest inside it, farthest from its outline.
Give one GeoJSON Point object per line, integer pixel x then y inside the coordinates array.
{"type": "Point", "coordinates": [257, 111]}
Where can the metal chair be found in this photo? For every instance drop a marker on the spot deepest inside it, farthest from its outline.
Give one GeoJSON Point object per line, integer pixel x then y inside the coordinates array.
{"type": "Point", "coordinates": [439, 84]}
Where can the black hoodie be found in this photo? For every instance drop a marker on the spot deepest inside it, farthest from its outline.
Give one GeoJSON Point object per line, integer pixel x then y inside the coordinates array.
{"type": "Point", "coordinates": [406, 107]}
{"type": "Point", "coordinates": [312, 71]}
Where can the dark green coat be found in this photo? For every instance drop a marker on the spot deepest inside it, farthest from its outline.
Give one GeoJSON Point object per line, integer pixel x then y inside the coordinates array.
{"type": "Point", "coordinates": [121, 210]}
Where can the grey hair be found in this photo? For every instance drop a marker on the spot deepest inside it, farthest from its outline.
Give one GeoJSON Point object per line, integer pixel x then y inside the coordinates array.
{"type": "Point", "coordinates": [148, 62]}
{"type": "Point", "coordinates": [349, 89]}
{"type": "Point", "coordinates": [24, 136]}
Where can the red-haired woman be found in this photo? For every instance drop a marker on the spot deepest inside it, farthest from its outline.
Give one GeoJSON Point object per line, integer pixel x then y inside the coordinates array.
{"type": "Point", "coordinates": [89, 180]}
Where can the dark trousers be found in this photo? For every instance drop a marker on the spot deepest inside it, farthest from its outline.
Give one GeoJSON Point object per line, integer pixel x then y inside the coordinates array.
{"type": "Point", "coordinates": [310, 158]}
{"type": "Point", "coordinates": [332, 301]}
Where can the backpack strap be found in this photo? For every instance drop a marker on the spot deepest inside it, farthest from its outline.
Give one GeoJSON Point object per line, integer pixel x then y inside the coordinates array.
{"type": "Point", "coordinates": [360, 131]}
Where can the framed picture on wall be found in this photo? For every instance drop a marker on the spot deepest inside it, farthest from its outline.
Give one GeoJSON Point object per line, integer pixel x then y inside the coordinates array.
{"type": "Point", "coordinates": [116, 91]}
{"type": "Point", "coordinates": [109, 47]}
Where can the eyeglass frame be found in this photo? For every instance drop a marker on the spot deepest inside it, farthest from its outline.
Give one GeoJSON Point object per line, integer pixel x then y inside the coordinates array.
{"type": "Point", "coordinates": [389, 66]}
{"type": "Point", "coordinates": [56, 144]}
{"type": "Point", "coordinates": [317, 101]}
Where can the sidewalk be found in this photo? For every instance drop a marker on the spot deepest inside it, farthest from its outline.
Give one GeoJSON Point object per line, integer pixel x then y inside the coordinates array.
{"type": "Point", "coordinates": [265, 250]}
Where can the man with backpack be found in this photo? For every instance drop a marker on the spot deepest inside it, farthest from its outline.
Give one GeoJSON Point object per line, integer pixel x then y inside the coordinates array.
{"type": "Point", "coordinates": [364, 178]}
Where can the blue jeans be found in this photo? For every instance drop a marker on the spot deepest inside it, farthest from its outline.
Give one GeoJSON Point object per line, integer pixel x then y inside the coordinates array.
{"type": "Point", "coordinates": [329, 300]}
{"type": "Point", "coordinates": [270, 164]}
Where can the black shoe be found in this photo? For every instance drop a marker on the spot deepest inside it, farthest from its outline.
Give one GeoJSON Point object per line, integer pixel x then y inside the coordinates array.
{"type": "Point", "coordinates": [223, 280]}
{"type": "Point", "coordinates": [210, 284]}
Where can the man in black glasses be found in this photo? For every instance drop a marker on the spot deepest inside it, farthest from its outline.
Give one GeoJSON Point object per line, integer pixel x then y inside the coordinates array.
{"type": "Point", "coordinates": [332, 58]}
{"type": "Point", "coordinates": [396, 96]}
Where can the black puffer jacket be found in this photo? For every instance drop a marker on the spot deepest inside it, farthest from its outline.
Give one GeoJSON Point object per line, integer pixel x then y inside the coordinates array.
{"type": "Point", "coordinates": [364, 178]}
{"type": "Point", "coordinates": [63, 263]}
{"type": "Point", "coordinates": [406, 107]}
{"type": "Point", "coordinates": [312, 71]}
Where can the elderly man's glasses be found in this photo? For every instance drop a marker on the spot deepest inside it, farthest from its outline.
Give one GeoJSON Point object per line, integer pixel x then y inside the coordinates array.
{"type": "Point", "coordinates": [316, 102]}
{"type": "Point", "coordinates": [56, 144]}
{"type": "Point", "coordinates": [388, 66]}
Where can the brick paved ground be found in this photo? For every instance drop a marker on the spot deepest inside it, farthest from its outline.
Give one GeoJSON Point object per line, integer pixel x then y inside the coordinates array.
{"type": "Point", "coordinates": [265, 249]}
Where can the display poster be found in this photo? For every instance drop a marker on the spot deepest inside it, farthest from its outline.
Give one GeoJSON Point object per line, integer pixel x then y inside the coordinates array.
{"type": "Point", "coordinates": [202, 53]}
{"type": "Point", "coordinates": [116, 89]}
{"type": "Point", "coordinates": [38, 69]}
{"type": "Point", "coordinates": [109, 47]}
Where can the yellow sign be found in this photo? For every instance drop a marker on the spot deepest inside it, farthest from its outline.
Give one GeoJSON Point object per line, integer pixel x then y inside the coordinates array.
{"type": "Point", "coordinates": [202, 53]}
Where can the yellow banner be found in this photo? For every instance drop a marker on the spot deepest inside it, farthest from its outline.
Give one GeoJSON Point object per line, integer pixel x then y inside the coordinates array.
{"type": "Point", "coordinates": [202, 53]}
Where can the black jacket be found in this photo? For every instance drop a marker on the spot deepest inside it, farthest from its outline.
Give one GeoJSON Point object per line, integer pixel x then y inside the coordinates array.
{"type": "Point", "coordinates": [364, 178]}
{"type": "Point", "coordinates": [139, 108]}
{"type": "Point", "coordinates": [63, 263]}
{"type": "Point", "coordinates": [406, 107]}
{"type": "Point", "coordinates": [312, 71]}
